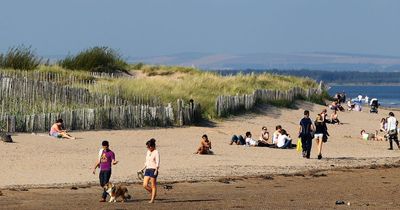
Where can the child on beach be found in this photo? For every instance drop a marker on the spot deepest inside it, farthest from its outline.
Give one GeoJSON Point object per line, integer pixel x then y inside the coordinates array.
{"type": "Point", "coordinates": [57, 131]}
{"type": "Point", "coordinates": [205, 146]}
{"type": "Point", "coordinates": [104, 163]}
{"type": "Point", "coordinates": [151, 167]}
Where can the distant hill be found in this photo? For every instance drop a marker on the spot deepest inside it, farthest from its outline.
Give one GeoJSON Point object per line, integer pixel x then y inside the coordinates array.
{"type": "Point", "coordinates": [293, 61]}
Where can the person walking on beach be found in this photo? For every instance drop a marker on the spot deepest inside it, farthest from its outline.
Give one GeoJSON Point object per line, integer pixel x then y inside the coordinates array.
{"type": "Point", "coordinates": [305, 133]}
{"type": "Point", "coordinates": [392, 130]}
{"type": "Point", "coordinates": [104, 162]}
{"type": "Point", "coordinates": [321, 133]}
{"type": "Point", "coordinates": [151, 165]}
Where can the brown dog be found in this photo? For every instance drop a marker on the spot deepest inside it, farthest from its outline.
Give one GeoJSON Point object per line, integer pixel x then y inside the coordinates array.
{"type": "Point", "coordinates": [116, 192]}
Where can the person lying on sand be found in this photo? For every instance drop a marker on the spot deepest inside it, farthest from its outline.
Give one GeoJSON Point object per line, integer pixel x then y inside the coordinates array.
{"type": "Point", "coordinates": [237, 139]}
{"type": "Point", "coordinates": [57, 131]}
{"type": "Point", "coordinates": [249, 141]}
{"type": "Point", "coordinates": [205, 146]}
{"type": "Point", "coordinates": [371, 136]}
{"type": "Point", "coordinates": [254, 143]}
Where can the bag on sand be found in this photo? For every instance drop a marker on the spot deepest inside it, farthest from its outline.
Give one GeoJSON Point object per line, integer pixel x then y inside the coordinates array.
{"type": "Point", "coordinates": [325, 138]}
{"type": "Point", "coordinates": [299, 145]}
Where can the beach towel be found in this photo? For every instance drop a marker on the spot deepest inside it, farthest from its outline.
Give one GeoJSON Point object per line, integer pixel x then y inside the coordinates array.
{"type": "Point", "coordinates": [299, 145]}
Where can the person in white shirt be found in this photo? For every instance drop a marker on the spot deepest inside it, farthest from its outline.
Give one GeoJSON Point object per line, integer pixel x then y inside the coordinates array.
{"type": "Point", "coordinates": [284, 141]}
{"type": "Point", "coordinates": [151, 167]}
{"type": "Point", "coordinates": [366, 99]}
{"type": "Point", "coordinates": [249, 140]}
{"type": "Point", "coordinates": [392, 131]}
{"type": "Point", "coordinates": [359, 98]}
{"type": "Point", "coordinates": [276, 134]}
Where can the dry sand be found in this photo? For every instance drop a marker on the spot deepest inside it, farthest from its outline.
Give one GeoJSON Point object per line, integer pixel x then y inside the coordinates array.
{"type": "Point", "coordinates": [39, 160]}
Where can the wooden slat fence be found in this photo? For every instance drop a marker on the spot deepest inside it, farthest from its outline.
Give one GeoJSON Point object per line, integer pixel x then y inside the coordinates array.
{"type": "Point", "coordinates": [65, 78]}
{"type": "Point", "coordinates": [117, 117]}
{"type": "Point", "coordinates": [226, 105]}
{"type": "Point", "coordinates": [31, 96]}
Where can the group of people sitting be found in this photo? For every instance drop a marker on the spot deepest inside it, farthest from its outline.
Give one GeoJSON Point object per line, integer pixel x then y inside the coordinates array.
{"type": "Point", "coordinates": [280, 139]}
{"type": "Point", "coordinates": [334, 118]}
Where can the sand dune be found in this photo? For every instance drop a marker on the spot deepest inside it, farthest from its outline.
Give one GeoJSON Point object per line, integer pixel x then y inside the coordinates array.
{"type": "Point", "coordinates": [38, 160]}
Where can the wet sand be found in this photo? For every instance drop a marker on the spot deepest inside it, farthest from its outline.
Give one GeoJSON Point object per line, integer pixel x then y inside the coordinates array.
{"type": "Point", "coordinates": [360, 188]}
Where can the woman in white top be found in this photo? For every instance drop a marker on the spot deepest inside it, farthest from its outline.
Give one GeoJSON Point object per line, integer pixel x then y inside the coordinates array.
{"type": "Point", "coordinates": [151, 165]}
{"type": "Point", "coordinates": [284, 141]}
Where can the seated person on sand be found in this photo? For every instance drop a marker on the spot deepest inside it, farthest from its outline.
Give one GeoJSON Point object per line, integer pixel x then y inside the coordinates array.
{"type": "Point", "coordinates": [56, 130]}
{"type": "Point", "coordinates": [350, 105]}
{"type": "Point", "coordinates": [276, 134]}
{"type": "Point", "coordinates": [334, 117]}
{"type": "Point", "coordinates": [205, 146]}
{"type": "Point", "coordinates": [371, 136]}
{"type": "Point", "coordinates": [324, 115]}
{"type": "Point", "coordinates": [284, 141]}
{"type": "Point", "coordinates": [383, 125]}
{"type": "Point", "coordinates": [264, 138]}
{"type": "Point", "coordinates": [333, 106]}
{"type": "Point", "coordinates": [237, 139]}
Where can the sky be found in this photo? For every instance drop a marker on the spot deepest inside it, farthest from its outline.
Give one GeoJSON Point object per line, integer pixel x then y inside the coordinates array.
{"type": "Point", "coordinates": [141, 28]}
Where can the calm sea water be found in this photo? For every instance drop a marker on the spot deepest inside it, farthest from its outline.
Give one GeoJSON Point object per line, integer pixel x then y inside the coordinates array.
{"type": "Point", "coordinates": [388, 96]}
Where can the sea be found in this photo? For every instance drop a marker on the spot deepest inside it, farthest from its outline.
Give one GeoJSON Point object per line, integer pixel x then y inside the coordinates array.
{"type": "Point", "coordinates": [388, 96]}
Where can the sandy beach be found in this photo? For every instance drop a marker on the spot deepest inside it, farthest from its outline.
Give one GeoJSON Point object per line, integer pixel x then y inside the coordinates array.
{"type": "Point", "coordinates": [40, 161]}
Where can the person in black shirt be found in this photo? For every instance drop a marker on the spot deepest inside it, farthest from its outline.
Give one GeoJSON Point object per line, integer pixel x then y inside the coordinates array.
{"type": "Point", "coordinates": [305, 133]}
{"type": "Point", "coordinates": [321, 133]}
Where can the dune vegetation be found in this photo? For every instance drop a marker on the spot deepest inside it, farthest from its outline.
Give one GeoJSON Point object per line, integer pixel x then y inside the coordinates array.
{"type": "Point", "coordinates": [166, 83]}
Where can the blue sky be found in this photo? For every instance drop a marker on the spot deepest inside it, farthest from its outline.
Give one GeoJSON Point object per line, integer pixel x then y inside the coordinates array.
{"type": "Point", "coordinates": [150, 27]}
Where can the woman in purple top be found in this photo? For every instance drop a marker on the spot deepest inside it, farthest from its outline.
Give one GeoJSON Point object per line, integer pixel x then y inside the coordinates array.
{"type": "Point", "coordinates": [104, 162]}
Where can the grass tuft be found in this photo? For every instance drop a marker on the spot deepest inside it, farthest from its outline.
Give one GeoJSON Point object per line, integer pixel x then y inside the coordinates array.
{"type": "Point", "coordinates": [96, 59]}
{"type": "Point", "coordinates": [21, 58]}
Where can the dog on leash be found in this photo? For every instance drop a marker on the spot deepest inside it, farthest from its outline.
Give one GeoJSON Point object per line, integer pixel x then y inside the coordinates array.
{"type": "Point", "coordinates": [116, 191]}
